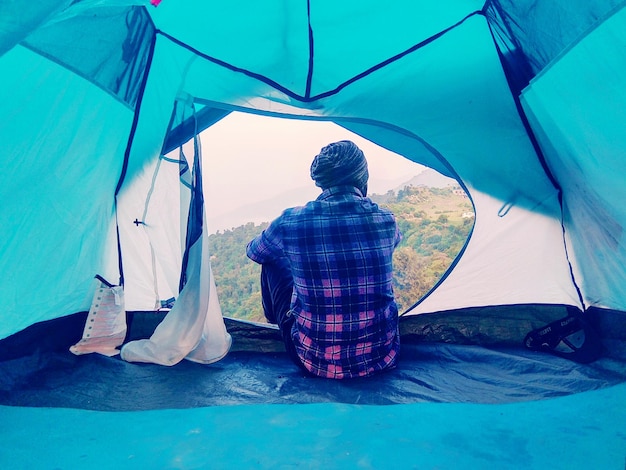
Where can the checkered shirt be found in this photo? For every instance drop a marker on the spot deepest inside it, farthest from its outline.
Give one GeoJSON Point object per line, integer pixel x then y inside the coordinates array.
{"type": "Point", "coordinates": [340, 249]}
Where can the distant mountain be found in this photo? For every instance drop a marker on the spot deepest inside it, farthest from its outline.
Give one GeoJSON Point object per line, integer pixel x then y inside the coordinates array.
{"type": "Point", "coordinates": [263, 210]}
{"type": "Point", "coordinates": [268, 209]}
{"type": "Point", "coordinates": [429, 178]}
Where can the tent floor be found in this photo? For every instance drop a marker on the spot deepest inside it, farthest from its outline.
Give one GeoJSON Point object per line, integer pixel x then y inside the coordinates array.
{"type": "Point", "coordinates": [581, 431]}
{"type": "Point", "coordinates": [427, 373]}
{"type": "Point", "coordinates": [453, 406]}
{"type": "Point", "coordinates": [258, 371]}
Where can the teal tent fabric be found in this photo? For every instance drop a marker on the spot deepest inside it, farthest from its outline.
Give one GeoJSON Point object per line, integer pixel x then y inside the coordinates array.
{"type": "Point", "coordinates": [449, 85]}
{"type": "Point", "coordinates": [520, 101]}
{"type": "Point", "coordinates": [564, 120]}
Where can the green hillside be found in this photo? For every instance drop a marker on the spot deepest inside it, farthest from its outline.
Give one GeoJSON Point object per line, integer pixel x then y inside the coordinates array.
{"type": "Point", "coordinates": [435, 223]}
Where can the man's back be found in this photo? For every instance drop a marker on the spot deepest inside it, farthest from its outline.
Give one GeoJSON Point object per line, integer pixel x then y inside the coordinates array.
{"type": "Point", "coordinates": [343, 240]}
{"type": "Point", "coordinates": [331, 262]}
{"type": "Point", "coordinates": [340, 250]}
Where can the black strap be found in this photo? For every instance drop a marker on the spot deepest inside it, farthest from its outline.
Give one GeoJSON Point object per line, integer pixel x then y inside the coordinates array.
{"type": "Point", "coordinates": [571, 337]}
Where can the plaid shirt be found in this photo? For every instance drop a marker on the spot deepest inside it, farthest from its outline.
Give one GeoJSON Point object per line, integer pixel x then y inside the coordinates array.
{"type": "Point", "coordinates": [340, 249]}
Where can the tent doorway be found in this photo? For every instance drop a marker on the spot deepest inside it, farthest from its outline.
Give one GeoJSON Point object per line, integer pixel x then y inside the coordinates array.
{"type": "Point", "coordinates": [256, 166]}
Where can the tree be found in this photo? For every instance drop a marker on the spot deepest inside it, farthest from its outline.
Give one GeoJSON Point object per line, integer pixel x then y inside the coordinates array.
{"type": "Point", "coordinates": [433, 229]}
{"type": "Point", "coordinates": [409, 281]}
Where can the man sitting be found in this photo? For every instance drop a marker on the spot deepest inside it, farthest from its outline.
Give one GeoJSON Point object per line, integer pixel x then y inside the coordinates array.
{"type": "Point", "coordinates": [326, 276]}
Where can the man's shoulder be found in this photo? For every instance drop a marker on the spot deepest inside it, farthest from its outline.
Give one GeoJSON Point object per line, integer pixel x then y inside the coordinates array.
{"type": "Point", "coordinates": [292, 215]}
{"type": "Point", "coordinates": [294, 211]}
{"type": "Point", "coordinates": [382, 210]}
{"type": "Point", "coordinates": [345, 203]}
{"type": "Point", "coordinates": [375, 208]}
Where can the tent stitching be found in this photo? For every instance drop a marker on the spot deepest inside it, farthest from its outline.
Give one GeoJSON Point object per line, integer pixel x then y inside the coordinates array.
{"type": "Point", "coordinates": [306, 98]}
{"type": "Point", "coordinates": [395, 58]}
{"type": "Point", "coordinates": [309, 77]}
{"type": "Point", "coordinates": [533, 139]}
{"type": "Point", "coordinates": [129, 143]}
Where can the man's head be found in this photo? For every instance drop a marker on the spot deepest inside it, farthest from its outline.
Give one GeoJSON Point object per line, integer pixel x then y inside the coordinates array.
{"type": "Point", "coordinates": [340, 163]}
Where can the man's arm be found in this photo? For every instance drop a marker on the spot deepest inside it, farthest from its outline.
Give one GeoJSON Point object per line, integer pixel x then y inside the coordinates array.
{"type": "Point", "coordinates": [268, 245]}
{"type": "Point", "coordinates": [398, 236]}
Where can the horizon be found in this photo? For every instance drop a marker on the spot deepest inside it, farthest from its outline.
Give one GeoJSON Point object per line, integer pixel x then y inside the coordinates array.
{"type": "Point", "coordinates": [262, 158]}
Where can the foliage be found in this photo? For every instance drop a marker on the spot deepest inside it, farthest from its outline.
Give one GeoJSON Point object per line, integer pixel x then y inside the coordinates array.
{"type": "Point", "coordinates": [236, 276]}
{"type": "Point", "coordinates": [434, 231]}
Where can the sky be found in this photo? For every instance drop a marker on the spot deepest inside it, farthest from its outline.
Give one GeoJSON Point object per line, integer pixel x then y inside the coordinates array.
{"type": "Point", "coordinates": [249, 159]}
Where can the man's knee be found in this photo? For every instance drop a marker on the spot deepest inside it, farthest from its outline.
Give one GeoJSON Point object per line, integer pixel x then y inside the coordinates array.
{"type": "Point", "coordinates": [276, 289]}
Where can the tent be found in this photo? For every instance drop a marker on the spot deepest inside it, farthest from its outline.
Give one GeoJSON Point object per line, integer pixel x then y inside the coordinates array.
{"type": "Point", "coordinates": [522, 102]}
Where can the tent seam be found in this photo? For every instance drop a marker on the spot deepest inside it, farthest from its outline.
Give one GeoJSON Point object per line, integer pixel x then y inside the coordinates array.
{"type": "Point", "coordinates": [129, 142]}
{"type": "Point", "coordinates": [534, 142]}
{"type": "Point", "coordinates": [394, 58]}
{"type": "Point", "coordinates": [307, 98]}
{"type": "Point", "coordinates": [309, 78]}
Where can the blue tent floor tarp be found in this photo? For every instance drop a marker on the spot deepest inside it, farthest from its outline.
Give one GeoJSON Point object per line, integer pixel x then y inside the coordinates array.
{"type": "Point", "coordinates": [581, 431]}
{"type": "Point", "coordinates": [453, 406]}
{"type": "Point", "coordinates": [428, 373]}
{"type": "Point", "coordinates": [257, 371]}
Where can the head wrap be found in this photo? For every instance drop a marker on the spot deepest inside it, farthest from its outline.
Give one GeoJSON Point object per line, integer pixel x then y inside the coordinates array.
{"type": "Point", "coordinates": [340, 163]}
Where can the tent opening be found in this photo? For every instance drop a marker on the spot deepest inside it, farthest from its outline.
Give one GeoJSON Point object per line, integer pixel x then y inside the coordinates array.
{"type": "Point", "coordinates": [256, 166]}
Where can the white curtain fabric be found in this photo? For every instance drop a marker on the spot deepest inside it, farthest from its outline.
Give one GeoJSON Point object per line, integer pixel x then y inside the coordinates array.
{"type": "Point", "coordinates": [194, 328]}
